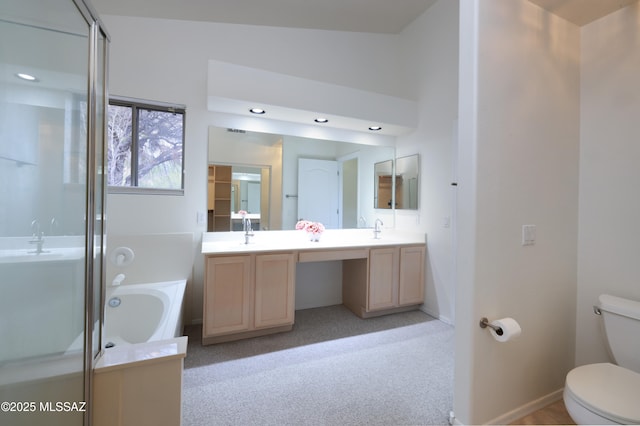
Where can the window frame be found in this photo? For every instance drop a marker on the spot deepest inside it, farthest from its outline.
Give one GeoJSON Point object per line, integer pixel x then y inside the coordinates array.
{"type": "Point", "coordinates": [136, 104]}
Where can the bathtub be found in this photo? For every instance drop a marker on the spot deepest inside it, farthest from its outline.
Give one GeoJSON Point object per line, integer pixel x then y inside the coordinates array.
{"type": "Point", "coordinates": [138, 313]}
{"type": "Point", "coordinates": [147, 313]}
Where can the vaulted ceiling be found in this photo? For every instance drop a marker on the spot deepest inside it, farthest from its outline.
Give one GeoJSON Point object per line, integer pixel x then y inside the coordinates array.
{"type": "Point", "coordinates": [581, 12]}
{"type": "Point", "coordinates": [375, 16]}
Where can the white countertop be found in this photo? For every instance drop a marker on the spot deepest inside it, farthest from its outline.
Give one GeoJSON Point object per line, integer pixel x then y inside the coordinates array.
{"type": "Point", "coordinates": [295, 240]}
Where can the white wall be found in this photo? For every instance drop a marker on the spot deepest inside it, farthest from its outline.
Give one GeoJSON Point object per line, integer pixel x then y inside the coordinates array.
{"type": "Point", "coordinates": [518, 153]}
{"type": "Point", "coordinates": [609, 172]}
{"type": "Point", "coordinates": [430, 50]}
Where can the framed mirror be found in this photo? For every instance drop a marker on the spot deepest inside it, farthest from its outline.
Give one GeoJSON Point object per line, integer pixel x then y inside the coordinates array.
{"type": "Point", "coordinates": [407, 178]}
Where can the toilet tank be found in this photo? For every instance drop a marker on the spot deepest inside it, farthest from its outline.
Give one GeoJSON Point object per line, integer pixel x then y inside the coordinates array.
{"type": "Point", "coordinates": [621, 318]}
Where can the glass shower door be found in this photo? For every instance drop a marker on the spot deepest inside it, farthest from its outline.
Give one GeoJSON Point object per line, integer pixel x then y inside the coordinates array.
{"type": "Point", "coordinates": [51, 201]}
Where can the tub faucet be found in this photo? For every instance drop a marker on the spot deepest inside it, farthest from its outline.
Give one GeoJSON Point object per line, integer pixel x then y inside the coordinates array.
{"type": "Point", "coordinates": [248, 232]}
{"type": "Point", "coordinates": [377, 229]}
{"type": "Point", "coordinates": [37, 238]}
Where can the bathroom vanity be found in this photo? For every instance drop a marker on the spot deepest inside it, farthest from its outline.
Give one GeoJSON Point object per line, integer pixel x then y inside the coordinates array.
{"type": "Point", "coordinates": [249, 289]}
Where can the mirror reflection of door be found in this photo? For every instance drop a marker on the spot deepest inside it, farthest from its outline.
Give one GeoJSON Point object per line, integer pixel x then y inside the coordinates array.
{"type": "Point", "coordinates": [350, 196]}
{"type": "Point", "coordinates": [252, 201]}
{"type": "Point", "coordinates": [318, 190]}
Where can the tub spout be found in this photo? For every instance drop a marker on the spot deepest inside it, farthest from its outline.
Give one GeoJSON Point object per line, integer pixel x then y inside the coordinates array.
{"type": "Point", "coordinates": [118, 280]}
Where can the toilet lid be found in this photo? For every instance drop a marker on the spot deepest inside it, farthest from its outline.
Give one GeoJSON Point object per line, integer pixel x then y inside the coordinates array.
{"type": "Point", "coordinates": [608, 390]}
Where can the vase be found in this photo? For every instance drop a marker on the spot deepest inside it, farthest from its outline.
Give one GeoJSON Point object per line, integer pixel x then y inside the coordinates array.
{"type": "Point", "coordinates": [314, 236]}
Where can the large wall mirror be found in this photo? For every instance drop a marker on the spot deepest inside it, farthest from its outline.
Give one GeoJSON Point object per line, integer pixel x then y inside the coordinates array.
{"type": "Point", "coordinates": [289, 167]}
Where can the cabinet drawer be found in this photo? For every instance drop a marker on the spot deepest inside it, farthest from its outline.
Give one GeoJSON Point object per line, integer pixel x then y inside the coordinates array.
{"type": "Point", "coordinates": [327, 255]}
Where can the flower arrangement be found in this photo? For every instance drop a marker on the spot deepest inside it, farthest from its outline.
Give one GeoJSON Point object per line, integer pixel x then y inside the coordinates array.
{"type": "Point", "coordinates": [242, 213]}
{"type": "Point", "coordinates": [313, 229]}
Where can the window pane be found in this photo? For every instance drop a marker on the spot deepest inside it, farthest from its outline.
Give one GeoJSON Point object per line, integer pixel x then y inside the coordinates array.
{"type": "Point", "coordinates": [159, 149]}
{"type": "Point", "coordinates": [119, 133]}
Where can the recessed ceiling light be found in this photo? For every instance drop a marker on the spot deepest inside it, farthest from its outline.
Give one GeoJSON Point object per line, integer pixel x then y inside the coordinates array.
{"type": "Point", "coordinates": [27, 77]}
{"type": "Point", "coordinates": [321, 120]}
{"type": "Point", "coordinates": [257, 111]}
{"type": "Point", "coordinates": [375, 128]}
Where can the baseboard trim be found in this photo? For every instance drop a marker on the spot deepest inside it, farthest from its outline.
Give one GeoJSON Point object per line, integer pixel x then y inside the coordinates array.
{"type": "Point", "coordinates": [436, 315]}
{"type": "Point", "coordinates": [527, 408]}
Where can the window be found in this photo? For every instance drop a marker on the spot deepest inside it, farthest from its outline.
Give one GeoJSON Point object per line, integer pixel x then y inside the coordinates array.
{"type": "Point", "coordinates": [145, 145]}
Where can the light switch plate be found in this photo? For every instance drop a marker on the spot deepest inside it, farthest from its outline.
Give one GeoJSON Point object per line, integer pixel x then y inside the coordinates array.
{"type": "Point", "coordinates": [200, 218]}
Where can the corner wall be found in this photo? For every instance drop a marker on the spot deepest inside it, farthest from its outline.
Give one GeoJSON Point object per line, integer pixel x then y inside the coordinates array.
{"type": "Point", "coordinates": [518, 153]}
{"type": "Point", "coordinates": [430, 49]}
{"type": "Point", "coordinates": [609, 172]}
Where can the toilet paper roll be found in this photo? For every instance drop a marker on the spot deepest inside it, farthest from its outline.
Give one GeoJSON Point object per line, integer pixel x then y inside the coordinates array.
{"type": "Point", "coordinates": [509, 327]}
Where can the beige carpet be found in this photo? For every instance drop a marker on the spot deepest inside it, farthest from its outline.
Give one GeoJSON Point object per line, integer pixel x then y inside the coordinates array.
{"type": "Point", "coordinates": [332, 369]}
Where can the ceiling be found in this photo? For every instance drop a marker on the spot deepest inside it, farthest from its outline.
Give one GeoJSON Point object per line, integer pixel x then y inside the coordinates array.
{"type": "Point", "coordinates": [581, 12]}
{"type": "Point", "coordinates": [372, 16]}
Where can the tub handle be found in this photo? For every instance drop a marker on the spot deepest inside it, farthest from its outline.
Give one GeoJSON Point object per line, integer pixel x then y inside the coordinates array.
{"type": "Point", "coordinates": [118, 280]}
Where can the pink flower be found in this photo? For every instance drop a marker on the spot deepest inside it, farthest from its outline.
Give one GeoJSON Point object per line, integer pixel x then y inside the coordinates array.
{"type": "Point", "coordinates": [315, 228]}
{"type": "Point", "coordinates": [302, 224]}
{"type": "Point", "coordinates": [242, 213]}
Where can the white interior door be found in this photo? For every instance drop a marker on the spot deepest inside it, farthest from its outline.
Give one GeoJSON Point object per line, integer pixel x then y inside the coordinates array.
{"type": "Point", "coordinates": [349, 196]}
{"type": "Point", "coordinates": [318, 191]}
{"type": "Point", "coordinates": [253, 197]}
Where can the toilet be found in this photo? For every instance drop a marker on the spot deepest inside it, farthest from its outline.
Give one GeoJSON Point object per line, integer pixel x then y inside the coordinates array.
{"type": "Point", "coordinates": [607, 393]}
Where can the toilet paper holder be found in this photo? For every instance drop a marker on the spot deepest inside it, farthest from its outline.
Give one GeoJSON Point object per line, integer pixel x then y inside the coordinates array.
{"type": "Point", "coordinates": [484, 323]}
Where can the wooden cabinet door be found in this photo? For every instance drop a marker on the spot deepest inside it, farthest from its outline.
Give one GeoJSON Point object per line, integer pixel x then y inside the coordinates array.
{"type": "Point", "coordinates": [274, 289]}
{"type": "Point", "coordinates": [411, 286]}
{"type": "Point", "coordinates": [227, 295]}
{"type": "Point", "coordinates": [383, 279]}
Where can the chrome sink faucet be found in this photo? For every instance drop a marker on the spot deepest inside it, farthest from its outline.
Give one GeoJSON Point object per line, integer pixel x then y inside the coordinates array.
{"type": "Point", "coordinates": [37, 238]}
{"type": "Point", "coordinates": [377, 229]}
{"type": "Point", "coordinates": [248, 231]}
